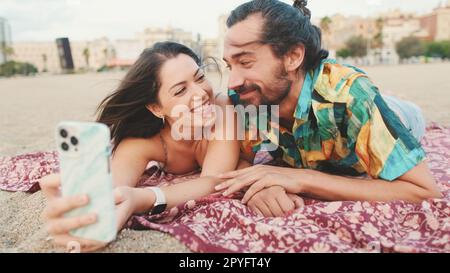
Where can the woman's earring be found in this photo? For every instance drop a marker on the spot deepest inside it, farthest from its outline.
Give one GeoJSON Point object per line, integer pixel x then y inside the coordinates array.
{"type": "Point", "coordinates": [163, 120]}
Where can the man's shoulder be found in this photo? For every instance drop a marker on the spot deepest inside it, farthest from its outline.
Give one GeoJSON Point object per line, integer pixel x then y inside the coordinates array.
{"type": "Point", "coordinates": [335, 81]}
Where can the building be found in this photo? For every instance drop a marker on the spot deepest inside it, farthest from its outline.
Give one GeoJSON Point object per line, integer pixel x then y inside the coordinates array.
{"type": "Point", "coordinates": [5, 41]}
{"type": "Point", "coordinates": [221, 38]}
{"type": "Point", "coordinates": [92, 55]}
{"type": "Point", "coordinates": [126, 52]}
{"type": "Point", "coordinates": [43, 55]}
{"type": "Point", "coordinates": [397, 26]}
{"type": "Point", "coordinates": [99, 53]}
{"type": "Point", "coordinates": [342, 28]}
{"type": "Point", "coordinates": [210, 54]}
{"type": "Point", "coordinates": [209, 48]}
{"type": "Point", "coordinates": [393, 25]}
{"type": "Point", "coordinates": [150, 36]}
{"type": "Point", "coordinates": [87, 55]}
{"type": "Point", "coordinates": [437, 23]}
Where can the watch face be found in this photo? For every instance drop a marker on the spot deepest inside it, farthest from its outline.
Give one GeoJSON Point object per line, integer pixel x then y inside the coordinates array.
{"type": "Point", "coordinates": [159, 209]}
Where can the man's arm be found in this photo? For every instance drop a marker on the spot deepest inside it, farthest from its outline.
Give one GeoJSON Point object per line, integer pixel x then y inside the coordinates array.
{"type": "Point", "coordinates": [414, 186]}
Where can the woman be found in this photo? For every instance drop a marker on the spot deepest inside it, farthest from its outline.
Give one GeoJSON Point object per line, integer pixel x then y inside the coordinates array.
{"type": "Point", "coordinates": [164, 79]}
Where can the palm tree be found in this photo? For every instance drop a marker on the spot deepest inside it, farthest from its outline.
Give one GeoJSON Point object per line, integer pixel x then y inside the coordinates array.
{"type": "Point", "coordinates": [325, 24]}
{"type": "Point", "coordinates": [44, 59]}
{"type": "Point", "coordinates": [87, 55]}
{"type": "Point", "coordinates": [7, 51]}
{"type": "Point", "coordinates": [105, 54]}
{"type": "Point", "coordinates": [113, 53]}
{"type": "Point", "coordinates": [378, 37]}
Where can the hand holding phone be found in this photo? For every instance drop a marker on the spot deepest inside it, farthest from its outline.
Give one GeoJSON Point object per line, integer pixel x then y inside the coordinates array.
{"type": "Point", "coordinates": [84, 151]}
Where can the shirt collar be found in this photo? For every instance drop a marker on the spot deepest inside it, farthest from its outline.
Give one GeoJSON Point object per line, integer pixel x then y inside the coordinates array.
{"type": "Point", "coordinates": [305, 98]}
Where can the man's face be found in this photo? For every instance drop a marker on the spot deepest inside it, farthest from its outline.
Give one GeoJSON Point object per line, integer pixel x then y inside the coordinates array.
{"type": "Point", "coordinates": [256, 74]}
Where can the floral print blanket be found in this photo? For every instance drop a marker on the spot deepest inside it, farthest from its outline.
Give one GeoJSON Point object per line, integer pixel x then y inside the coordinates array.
{"type": "Point", "coordinates": [217, 224]}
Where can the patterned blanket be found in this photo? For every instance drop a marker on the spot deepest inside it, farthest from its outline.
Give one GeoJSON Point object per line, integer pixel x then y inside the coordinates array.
{"type": "Point", "coordinates": [217, 224]}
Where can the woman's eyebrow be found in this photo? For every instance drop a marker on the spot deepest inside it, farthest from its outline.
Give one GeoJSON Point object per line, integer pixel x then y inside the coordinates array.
{"type": "Point", "coordinates": [183, 82]}
{"type": "Point", "coordinates": [196, 72]}
{"type": "Point", "coordinates": [175, 85]}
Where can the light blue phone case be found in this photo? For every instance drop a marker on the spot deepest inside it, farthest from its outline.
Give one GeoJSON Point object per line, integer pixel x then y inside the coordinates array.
{"type": "Point", "coordinates": [84, 152]}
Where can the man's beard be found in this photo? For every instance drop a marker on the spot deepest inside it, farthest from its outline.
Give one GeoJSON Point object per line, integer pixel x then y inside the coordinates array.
{"type": "Point", "coordinates": [277, 90]}
{"type": "Point", "coordinates": [279, 87]}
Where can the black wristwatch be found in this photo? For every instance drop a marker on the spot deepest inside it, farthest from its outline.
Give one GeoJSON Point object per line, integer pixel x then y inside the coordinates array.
{"type": "Point", "coordinates": [160, 203]}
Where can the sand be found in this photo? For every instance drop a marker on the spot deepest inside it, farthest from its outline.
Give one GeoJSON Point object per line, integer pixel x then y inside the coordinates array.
{"type": "Point", "coordinates": [30, 108]}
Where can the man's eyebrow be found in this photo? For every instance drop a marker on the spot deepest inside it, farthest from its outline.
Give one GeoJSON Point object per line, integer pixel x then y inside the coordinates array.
{"type": "Point", "coordinates": [183, 82]}
{"type": "Point", "coordinates": [248, 43]}
{"type": "Point", "coordinates": [240, 54]}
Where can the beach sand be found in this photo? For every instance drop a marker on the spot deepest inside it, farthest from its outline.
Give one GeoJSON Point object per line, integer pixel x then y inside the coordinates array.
{"type": "Point", "coordinates": [31, 107]}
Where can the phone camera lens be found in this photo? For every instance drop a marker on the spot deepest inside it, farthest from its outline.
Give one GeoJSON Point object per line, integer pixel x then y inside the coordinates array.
{"type": "Point", "coordinates": [63, 133]}
{"type": "Point", "coordinates": [74, 140]}
{"type": "Point", "coordinates": [65, 146]}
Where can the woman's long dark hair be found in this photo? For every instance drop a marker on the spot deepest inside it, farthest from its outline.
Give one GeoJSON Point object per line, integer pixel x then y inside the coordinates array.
{"type": "Point", "coordinates": [125, 110]}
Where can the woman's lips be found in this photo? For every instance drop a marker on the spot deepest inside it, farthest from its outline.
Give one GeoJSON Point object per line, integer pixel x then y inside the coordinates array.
{"type": "Point", "coordinates": [200, 107]}
{"type": "Point", "coordinates": [206, 110]}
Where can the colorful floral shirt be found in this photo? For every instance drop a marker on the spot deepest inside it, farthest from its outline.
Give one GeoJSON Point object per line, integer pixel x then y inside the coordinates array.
{"type": "Point", "coordinates": [342, 126]}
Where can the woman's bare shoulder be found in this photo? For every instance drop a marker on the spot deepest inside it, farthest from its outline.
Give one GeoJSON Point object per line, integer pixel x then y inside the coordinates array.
{"type": "Point", "coordinates": [148, 148]}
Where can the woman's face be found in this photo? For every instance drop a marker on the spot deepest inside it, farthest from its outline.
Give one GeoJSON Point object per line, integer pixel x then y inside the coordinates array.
{"type": "Point", "coordinates": [185, 95]}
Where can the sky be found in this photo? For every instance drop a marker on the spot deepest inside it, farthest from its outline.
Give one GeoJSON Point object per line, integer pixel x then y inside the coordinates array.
{"type": "Point", "coordinates": [44, 20]}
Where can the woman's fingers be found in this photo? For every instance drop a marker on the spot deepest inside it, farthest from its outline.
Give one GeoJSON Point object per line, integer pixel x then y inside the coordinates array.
{"type": "Point", "coordinates": [58, 206]}
{"type": "Point", "coordinates": [227, 184]}
{"type": "Point", "coordinates": [65, 225]}
{"type": "Point", "coordinates": [234, 188]}
{"type": "Point", "coordinates": [241, 172]}
{"type": "Point", "coordinates": [241, 182]}
{"type": "Point", "coordinates": [234, 177]}
{"type": "Point", "coordinates": [73, 244]}
{"type": "Point", "coordinates": [298, 201]}
{"type": "Point", "coordinates": [50, 186]}
{"type": "Point", "coordinates": [232, 174]}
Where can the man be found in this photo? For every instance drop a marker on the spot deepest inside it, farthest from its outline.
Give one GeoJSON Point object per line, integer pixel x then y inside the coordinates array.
{"type": "Point", "coordinates": [332, 118]}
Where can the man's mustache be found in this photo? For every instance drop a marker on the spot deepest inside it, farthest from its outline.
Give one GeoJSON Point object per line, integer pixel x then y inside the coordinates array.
{"type": "Point", "coordinates": [247, 87]}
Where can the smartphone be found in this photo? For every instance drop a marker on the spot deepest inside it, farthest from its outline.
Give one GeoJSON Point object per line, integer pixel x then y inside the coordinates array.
{"type": "Point", "coordinates": [84, 150]}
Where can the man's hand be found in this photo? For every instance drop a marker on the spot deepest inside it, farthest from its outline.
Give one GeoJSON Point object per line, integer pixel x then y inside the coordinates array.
{"type": "Point", "coordinates": [274, 202]}
{"type": "Point", "coordinates": [260, 177]}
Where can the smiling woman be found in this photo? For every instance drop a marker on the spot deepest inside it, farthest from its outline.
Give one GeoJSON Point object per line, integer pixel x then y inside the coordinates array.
{"type": "Point", "coordinates": [138, 113]}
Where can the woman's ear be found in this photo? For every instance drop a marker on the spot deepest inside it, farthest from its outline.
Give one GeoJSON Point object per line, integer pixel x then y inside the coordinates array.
{"type": "Point", "coordinates": [156, 110]}
{"type": "Point", "coordinates": [294, 58]}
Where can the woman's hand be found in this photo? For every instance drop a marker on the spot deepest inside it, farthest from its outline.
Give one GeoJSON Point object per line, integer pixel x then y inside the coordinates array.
{"type": "Point", "coordinates": [126, 204]}
{"type": "Point", "coordinates": [59, 226]}
{"type": "Point", "coordinates": [259, 177]}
